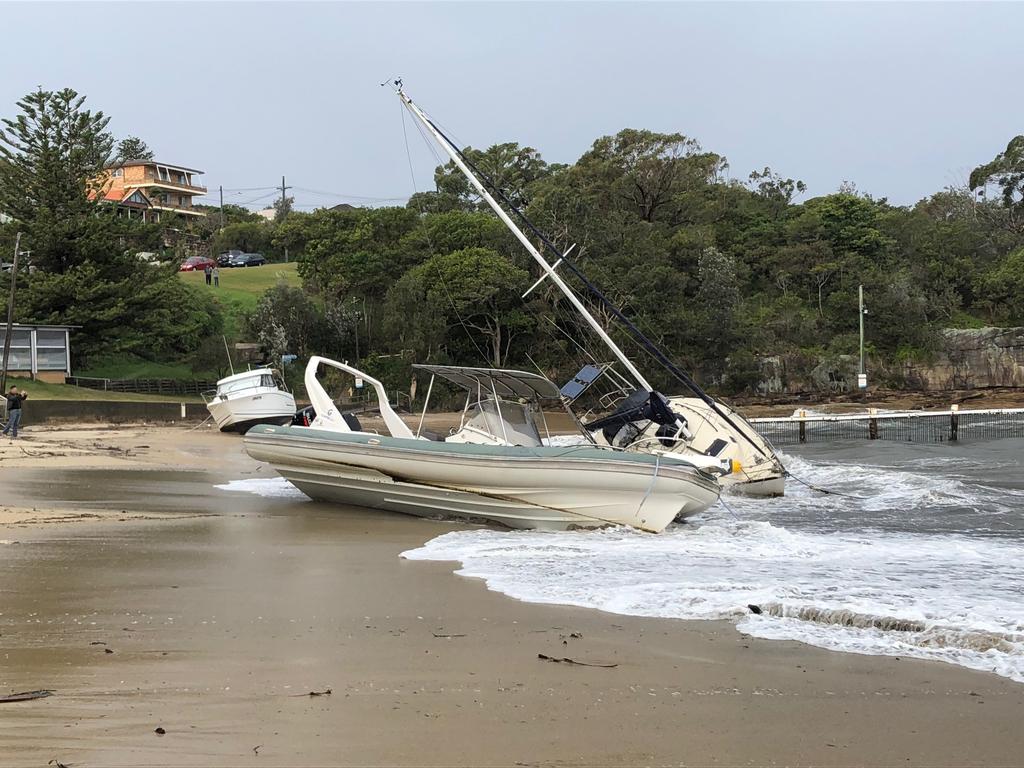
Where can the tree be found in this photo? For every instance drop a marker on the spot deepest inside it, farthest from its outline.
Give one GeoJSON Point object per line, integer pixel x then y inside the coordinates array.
{"type": "Point", "coordinates": [282, 207]}
{"type": "Point", "coordinates": [133, 148]}
{"type": "Point", "coordinates": [473, 290]}
{"type": "Point", "coordinates": [248, 236]}
{"type": "Point", "coordinates": [511, 168]}
{"type": "Point", "coordinates": [1006, 171]}
{"type": "Point", "coordinates": [54, 153]}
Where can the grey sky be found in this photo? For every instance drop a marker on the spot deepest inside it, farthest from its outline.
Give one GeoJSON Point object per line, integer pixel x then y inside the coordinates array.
{"type": "Point", "coordinates": [902, 99]}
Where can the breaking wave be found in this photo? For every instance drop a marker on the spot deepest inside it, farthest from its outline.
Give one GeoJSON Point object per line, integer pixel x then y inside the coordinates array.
{"type": "Point", "coordinates": [921, 558]}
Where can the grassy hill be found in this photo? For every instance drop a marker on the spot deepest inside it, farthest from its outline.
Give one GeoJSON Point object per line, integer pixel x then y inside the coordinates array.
{"type": "Point", "coordinates": [241, 287]}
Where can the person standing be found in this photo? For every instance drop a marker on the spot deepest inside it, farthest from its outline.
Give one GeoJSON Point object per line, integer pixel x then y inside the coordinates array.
{"type": "Point", "coordinates": [216, 277]}
{"type": "Point", "coordinates": [14, 401]}
{"type": "Point", "coordinates": [209, 273]}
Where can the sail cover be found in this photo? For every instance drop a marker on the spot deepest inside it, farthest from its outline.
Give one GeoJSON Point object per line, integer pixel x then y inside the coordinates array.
{"type": "Point", "coordinates": [508, 385]}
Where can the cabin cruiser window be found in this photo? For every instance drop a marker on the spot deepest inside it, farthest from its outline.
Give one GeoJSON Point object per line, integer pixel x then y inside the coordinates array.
{"type": "Point", "coordinates": [511, 422]}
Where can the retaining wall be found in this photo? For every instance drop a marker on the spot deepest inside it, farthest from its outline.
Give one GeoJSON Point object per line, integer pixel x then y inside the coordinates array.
{"type": "Point", "coordinates": [110, 412]}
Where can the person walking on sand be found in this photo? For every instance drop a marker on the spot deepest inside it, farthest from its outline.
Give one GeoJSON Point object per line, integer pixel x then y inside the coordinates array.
{"type": "Point", "coordinates": [14, 401]}
{"type": "Point", "coordinates": [216, 277]}
{"type": "Point", "coordinates": [209, 273]}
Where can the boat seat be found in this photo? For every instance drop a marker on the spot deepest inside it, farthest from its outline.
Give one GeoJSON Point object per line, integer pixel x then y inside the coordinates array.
{"type": "Point", "coordinates": [352, 421]}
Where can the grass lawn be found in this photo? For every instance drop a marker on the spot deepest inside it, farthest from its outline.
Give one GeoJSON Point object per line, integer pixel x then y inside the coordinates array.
{"type": "Point", "coordinates": [41, 390]}
{"type": "Point", "coordinates": [134, 368]}
{"type": "Point", "coordinates": [242, 287]}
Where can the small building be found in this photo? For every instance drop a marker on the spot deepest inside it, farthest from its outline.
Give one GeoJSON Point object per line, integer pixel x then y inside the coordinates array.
{"type": "Point", "coordinates": [42, 352]}
{"type": "Point", "coordinates": [147, 189]}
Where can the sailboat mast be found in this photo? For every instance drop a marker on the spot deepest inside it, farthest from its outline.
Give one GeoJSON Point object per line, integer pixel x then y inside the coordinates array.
{"type": "Point", "coordinates": [548, 269]}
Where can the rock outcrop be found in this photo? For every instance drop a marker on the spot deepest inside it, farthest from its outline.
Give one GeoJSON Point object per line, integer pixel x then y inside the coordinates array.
{"type": "Point", "coordinates": [973, 358]}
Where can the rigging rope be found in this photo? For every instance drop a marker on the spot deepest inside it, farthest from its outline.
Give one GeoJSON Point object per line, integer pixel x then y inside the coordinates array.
{"type": "Point", "coordinates": [430, 244]}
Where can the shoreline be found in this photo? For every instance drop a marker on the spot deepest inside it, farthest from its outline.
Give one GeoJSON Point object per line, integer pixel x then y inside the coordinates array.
{"type": "Point", "coordinates": [227, 608]}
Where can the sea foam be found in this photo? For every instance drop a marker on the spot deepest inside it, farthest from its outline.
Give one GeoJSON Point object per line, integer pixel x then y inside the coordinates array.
{"type": "Point", "coordinates": [880, 570]}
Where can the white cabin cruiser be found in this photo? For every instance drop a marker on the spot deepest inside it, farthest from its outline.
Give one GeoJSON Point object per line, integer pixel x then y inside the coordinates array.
{"type": "Point", "coordinates": [493, 467]}
{"type": "Point", "coordinates": [691, 427]}
{"type": "Point", "coordinates": [246, 399]}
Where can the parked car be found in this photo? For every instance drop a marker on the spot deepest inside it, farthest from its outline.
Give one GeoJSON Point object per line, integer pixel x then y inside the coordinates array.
{"type": "Point", "coordinates": [196, 264]}
{"type": "Point", "coordinates": [224, 259]}
{"type": "Point", "coordinates": [247, 260]}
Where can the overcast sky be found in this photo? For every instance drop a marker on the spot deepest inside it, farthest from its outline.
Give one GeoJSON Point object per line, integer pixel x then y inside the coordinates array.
{"type": "Point", "coordinates": [901, 99]}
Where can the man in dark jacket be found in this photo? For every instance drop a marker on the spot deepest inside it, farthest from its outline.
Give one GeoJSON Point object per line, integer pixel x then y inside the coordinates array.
{"type": "Point", "coordinates": [14, 401]}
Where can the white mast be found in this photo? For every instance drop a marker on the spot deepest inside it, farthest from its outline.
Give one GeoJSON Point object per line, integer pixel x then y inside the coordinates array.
{"type": "Point", "coordinates": [548, 269]}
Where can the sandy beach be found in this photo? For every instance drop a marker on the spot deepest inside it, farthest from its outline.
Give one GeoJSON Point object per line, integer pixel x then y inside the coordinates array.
{"type": "Point", "coordinates": [147, 598]}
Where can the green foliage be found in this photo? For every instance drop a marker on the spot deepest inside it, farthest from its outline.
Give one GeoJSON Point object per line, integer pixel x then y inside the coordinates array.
{"type": "Point", "coordinates": [133, 148]}
{"type": "Point", "coordinates": [248, 236]}
{"type": "Point", "coordinates": [1003, 288]}
{"type": "Point", "coordinates": [1006, 171]}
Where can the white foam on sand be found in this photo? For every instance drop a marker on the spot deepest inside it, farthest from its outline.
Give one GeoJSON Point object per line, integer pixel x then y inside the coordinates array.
{"type": "Point", "coordinates": [271, 487]}
{"type": "Point", "coordinates": [943, 596]}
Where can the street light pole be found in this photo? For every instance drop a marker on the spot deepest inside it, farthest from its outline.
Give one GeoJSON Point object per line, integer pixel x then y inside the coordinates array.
{"type": "Point", "coordinates": [862, 378]}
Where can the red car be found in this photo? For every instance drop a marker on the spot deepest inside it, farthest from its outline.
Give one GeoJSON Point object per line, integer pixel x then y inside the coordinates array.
{"type": "Point", "coordinates": [196, 264]}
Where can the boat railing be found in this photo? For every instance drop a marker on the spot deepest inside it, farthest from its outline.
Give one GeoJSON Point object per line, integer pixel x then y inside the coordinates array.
{"type": "Point", "coordinates": [213, 394]}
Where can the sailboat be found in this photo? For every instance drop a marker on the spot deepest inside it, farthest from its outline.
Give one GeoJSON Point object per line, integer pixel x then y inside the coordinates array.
{"type": "Point", "coordinates": [494, 467]}
{"type": "Point", "coordinates": [641, 419]}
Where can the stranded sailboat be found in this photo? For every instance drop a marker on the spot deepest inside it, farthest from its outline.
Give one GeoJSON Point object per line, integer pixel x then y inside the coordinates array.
{"type": "Point", "coordinates": [493, 467]}
{"type": "Point", "coordinates": [640, 419]}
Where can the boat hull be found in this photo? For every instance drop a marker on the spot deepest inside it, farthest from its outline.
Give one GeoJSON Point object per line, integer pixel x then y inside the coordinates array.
{"type": "Point", "coordinates": [239, 414]}
{"type": "Point", "coordinates": [536, 488]}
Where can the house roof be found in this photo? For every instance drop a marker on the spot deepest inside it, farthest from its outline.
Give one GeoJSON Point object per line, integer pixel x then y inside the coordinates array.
{"type": "Point", "coordinates": [121, 196]}
{"type": "Point", "coordinates": [132, 163]}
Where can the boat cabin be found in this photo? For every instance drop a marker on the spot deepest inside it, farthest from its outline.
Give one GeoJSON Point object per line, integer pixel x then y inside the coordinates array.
{"type": "Point", "coordinates": [503, 407]}
{"type": "Point", "coordinates": [248, 383]}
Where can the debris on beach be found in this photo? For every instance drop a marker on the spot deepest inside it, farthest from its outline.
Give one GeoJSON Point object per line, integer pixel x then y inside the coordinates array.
{"type": "Point", "coordinates": [565, 660]}
{"type": "Point", "coordinates": [159, 731]}
{"type": "Point", "coordinates": [326, 692]}
{"type": "Point", "coordinates": [25, 696]}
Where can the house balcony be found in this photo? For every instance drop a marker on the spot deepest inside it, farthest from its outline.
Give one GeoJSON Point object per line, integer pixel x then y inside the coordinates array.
{"type": "Point", "coordinates": [173, 186]}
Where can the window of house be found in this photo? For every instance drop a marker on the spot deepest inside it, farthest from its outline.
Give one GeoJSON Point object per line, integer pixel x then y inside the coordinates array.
{"type": "Point", "coordinates": [51, 351]}
{"type": "Point", "coordinates": [21, 350]}
{"type": "Point", "coordinates": [118, 172]}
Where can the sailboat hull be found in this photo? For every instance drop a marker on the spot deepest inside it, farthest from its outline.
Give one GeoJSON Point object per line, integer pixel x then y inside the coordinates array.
{"type": "Point", "coordinates": [519, 487]}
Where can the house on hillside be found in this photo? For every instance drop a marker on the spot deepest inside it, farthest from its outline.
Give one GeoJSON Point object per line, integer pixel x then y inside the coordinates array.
{"type": "Point", "coordinates": [148, 189]}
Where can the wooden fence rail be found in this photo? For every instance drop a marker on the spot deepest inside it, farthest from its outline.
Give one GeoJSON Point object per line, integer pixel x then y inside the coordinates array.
{"type": "Point", "coordinates": [143, 386]}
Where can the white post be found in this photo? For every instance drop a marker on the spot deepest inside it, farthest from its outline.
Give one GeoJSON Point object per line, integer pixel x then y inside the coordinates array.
{"type": "Point", "coordinates": [569, 294]}
{"type": "Point", "coordinates": [862, 378]}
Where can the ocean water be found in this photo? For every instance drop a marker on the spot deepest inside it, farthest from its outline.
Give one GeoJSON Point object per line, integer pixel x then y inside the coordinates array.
{"type": "Point", "coordinates": [922, 555]}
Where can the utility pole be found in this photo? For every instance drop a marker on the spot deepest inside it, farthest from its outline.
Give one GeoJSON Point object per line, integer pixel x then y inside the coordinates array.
{"type": "Point", "coordinates": [862, 377]}
{"type": "Point", "coordinates": [221, 206]}
{"type": "Point", "coordinates": [10, 312]}
{"type": "Point", "coordinates": [283, 190]}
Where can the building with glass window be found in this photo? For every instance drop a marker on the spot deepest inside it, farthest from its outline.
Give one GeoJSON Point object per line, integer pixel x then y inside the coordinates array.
{"type": "Point", "coordinates": [146, 189]}
{"type": "Point", "coordinates": [40, 351]}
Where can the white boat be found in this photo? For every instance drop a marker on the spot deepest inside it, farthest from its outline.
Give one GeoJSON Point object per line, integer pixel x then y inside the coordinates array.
{"type": "Point", "coordinates": [689, 426]}
{"type": "Point", "coordinates": [494, 467]}
{"type": "Point", "coordinates": [246, 399]}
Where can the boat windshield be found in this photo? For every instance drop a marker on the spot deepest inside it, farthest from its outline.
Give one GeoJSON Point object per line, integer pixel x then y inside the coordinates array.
{"type": "Point", "coordinates": [230, 387]}
{"type": "Point", "coordinates": [511, 422]}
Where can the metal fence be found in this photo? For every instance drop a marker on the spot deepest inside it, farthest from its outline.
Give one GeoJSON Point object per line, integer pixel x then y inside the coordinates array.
{"type": "Point", "coordinates": [904, 426]}
{"type": "Point", "coordinates": [143, 386]}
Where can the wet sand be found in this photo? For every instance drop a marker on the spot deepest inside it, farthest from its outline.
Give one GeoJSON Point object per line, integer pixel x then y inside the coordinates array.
{"type": "Point", "coordinates": [227, 609]}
